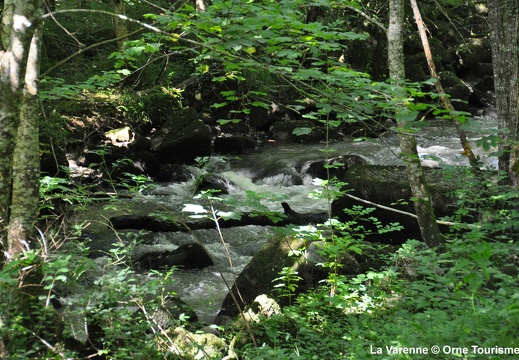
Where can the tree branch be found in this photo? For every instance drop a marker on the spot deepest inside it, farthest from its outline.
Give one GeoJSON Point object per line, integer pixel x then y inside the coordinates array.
{"type": "Point", "coordinates": [84, 49]}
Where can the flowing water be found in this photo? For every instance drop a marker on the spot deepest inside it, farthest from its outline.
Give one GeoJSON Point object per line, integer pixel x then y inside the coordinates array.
{"type": "Point", "coordinates": [278, 172]}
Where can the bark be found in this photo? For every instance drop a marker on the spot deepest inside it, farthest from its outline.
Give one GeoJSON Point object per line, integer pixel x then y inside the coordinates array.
{"type": "Point", "coordinates": [200, 5]}
{"type": "Point", "coordinates": [19, 22]}
{"type": "Point", "coordinates": [26, 159]}
{"type": "Point", "coordinates": [467, 149]}
{"type": "Point", "coordinates": [503, 18]}
{"type": "Point", "coordinates": [422, 199]}
{"type": "Point", "coordinates": [121, 30]}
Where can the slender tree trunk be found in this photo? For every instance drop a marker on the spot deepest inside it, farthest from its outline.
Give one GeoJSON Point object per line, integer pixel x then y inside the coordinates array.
{"type": "Point", "coordinates": [26, 160]}
{"type": "Point", "coordinates": [503, 18]}
{"type": "Point", "coordinates": [467, 149]}
{"type": "Point", "coordinates": [200, 5]}
{"type": "Point", "coordinates": [121, 30]}
{"type": "Point", "coordinates": [422, 199]}
{"type": "Point", "coordinates": [16, 33]}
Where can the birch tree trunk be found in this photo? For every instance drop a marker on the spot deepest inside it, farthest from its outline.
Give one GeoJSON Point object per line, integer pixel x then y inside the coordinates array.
{"type": "Point", "coordinates": [26, 159]}
{"type": "Point", "coordinates": [422, 199]}
{"type": "Point", "coordinates": [18, 26]}
{"type": "Point", "coordinates": [503, 18]}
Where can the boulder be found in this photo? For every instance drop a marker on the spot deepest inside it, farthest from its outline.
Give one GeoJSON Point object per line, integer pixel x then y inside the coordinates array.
{"type": "Point", "coordinates": [213, 182]}
{"type": "Point", "coordinates": [259, 275]}
{"type": "Point", "coordinates": [188, 345]}
{"type": "Point", "coordinates": [256, 278]}
{"type": "Point", "coordinates": [187, 256]}
{"type": "Point", "coordinates": [339, 166]}
{"type": "Point", "coordinates": [388, 185]}
{"type": "Point", "coordinates": [172, 309]}
{"type": "Point", "coordinates": [233, 145]}
{"type": "Point", "coordinates": [140, 143]}
{"type": "Point", "coordinates": [141, 163]}
{"type": "Point", "coordinates": [173, 173]}
{"type": "Point", "coordinates": [183, 138]}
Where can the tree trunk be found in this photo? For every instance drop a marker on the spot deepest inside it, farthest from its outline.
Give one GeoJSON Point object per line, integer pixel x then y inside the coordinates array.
{"type": "Point", "coordinates": [503, 18]}
{"type": "Point", "coordinates": [26, 159]}
{"type": "Point", "coordinates": [17, 29]}
{"type": "Point", "coordinates": [467, 149]}
{"type": "Point", "coordinates": [121, 31]}
{"type": "Point", "coordinates": [423, 205]}
{"type": "Point", "coordinates": [200, 5]}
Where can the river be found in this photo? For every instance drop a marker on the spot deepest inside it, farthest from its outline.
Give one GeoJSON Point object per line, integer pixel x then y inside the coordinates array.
{"type": "Point", "coordinates": [277, 172]}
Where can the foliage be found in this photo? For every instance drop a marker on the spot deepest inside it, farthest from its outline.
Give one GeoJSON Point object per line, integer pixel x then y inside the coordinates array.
{"type": "Point", "coordinates": [460, 295]}
{"type": "Point", "coordinates": [458, 298]}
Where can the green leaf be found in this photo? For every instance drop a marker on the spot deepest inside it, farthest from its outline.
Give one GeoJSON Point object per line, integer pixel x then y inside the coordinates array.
{"type": "Point", "coordinates": [302, 131]}
{"type": "Point", "coordinates": [229, 215]}
{"type": "Point", "coordinates": [405, 115]}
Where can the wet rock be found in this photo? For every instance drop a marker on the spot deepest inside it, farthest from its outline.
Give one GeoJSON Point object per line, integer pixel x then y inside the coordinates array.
{"type": "Point", "coordinates": [339, 166]}
{"type": "Point", "coordinates": [183, 138]}
{"type": "Point", "coordinates": [140, 163]}
{"type": "Point", "coordinates": [213, 182]}
{"type": "Point", "coordinates": [173, 173]}
{"type": "Point", "coordinates": [233, 145]}
{"type": "Point", "coordinates": [188, 256]}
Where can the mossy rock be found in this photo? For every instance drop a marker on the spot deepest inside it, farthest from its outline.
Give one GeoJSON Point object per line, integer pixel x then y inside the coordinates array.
{"type": "Point", "coordinates": [388, 186]}
{"type": "Point", "coordinates": [257, 277]}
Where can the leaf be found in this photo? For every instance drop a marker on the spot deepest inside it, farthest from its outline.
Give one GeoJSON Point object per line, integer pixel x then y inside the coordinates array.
{"type": "Point", "coordinates": [302, 131]}
{"type": "Point", "coordinates": [229, 215]}
{"type": "Point", "coordinates": [406, 115]}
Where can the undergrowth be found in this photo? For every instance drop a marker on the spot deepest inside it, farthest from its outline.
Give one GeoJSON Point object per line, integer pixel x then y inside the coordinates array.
{"type": "Point", "coordinates": [462, 298]}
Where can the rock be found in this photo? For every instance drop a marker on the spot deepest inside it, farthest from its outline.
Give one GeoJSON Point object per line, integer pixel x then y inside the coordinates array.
{"type": "Point", "coordinates": [262, 307]}
{"type": "Point", "coordinates": [172, 309]}
{"type": "Point", "coordinates": [188, 256]}
{"type": "Point", "coordinates": [188, 345]}
{"type": "Point", "coordinates": [257, 277]}
{"type": "Point", "coordinates": [141, 163]}
{"type": "Point", "coordinates": [458, 90]}
{"type": "Point", "coordinates": [140, 143]}
{"type": "Point", "coordinates": [339, 164]}
{"type": "Point", "coordinates": [459, 96]}
{"type": "Point", "coordinates": [468, 55]}
{"type": "Point", "coordinates": [260, 119]}
{"type": "Point", "coordinates": [388, 185]}
{"type": "Point", "coordinates": [213, 182]}
{"type": "Point", "coordinates": [120, 137]}
{"type": "Point", "coordinates": [183, 138]}
{"type": "Point", "coordinates": [233, 145]}
{"type": "Point", "coordinates": [172, 172]}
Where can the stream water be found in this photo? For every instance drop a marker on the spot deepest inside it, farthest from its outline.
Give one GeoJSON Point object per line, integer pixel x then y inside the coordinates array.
{"type": "Point", "coordinates": [277, 171]}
